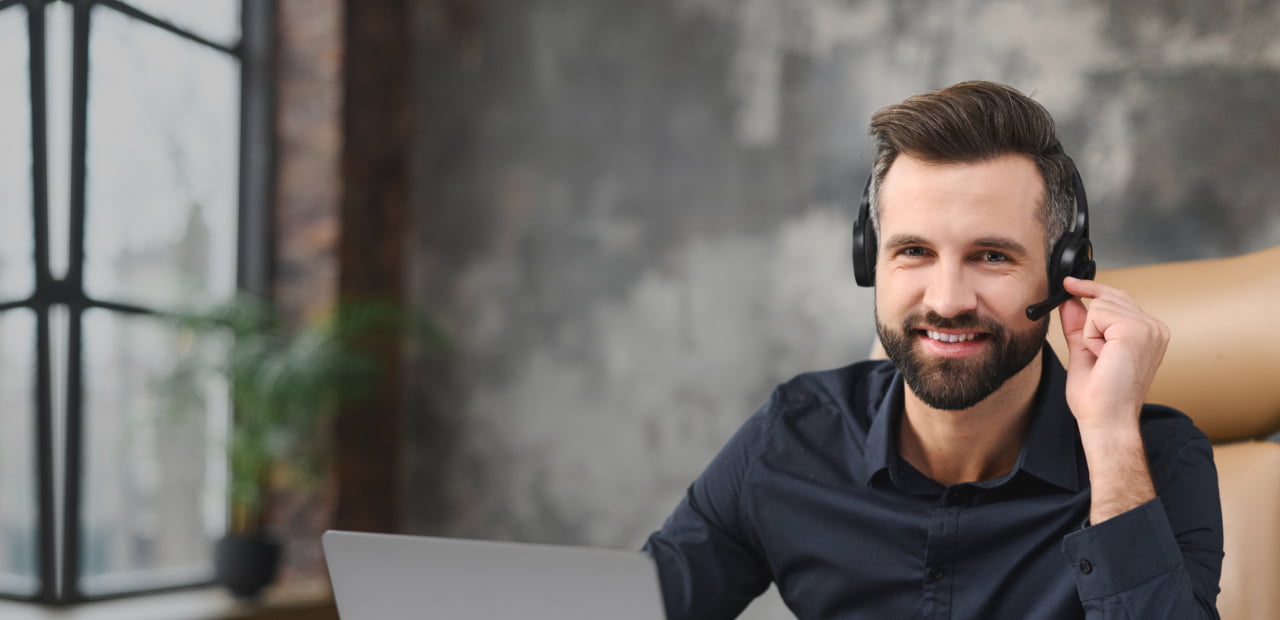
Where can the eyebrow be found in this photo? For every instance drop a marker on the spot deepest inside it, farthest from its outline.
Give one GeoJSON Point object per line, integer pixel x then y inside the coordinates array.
{"type": "Point", "coordinates": [901, 241]}
{"type": "Point", "coordinates": [1003, 244]}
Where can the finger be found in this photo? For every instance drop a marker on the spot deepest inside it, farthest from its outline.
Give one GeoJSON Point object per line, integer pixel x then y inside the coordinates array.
{"type": "Point", "coordinates": [1108, 320]}
{"type": "Point", "coordinates": [1113, 309]}
{"type": "Point", "coordinates": [1085, 288]}
{"type": "Point", "coordinates": [1093, 289]}
{"type": "Point", "coordinates": [1074, 318]}
{"type": "Point", "coordinates": [1081, 288]}
{"type": "Point", "coordinates": [1097, 291]}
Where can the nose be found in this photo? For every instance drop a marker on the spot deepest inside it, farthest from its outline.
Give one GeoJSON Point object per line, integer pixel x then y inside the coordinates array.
{"type": "Point", "coordinates": [949, 293]}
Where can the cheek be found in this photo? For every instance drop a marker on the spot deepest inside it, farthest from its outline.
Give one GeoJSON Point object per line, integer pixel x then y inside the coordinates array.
{"type": "Point", "coordinates": [1009, 297]}
{"type": "Point", "coordinates": [900, 284]}
{"type": "Point", "coordinates": [1013, 288]}
{"type": "Point", "coordinates": [896, 295]}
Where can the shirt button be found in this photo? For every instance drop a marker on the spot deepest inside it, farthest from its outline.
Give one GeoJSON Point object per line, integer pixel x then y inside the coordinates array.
{"type": "Point", "coordinates": [1086, 567]}
{"type": "Point", "coordinates": [935, 574]}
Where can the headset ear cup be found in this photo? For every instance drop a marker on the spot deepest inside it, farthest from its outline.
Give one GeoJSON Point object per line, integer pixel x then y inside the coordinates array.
{"type": "Point", "coordinates": [1071, 257]}
{"type": "Point", "coordinates": [864, 249]}
{"type": "Point", "coordinates": [865, 245]}
{"type": "Point", "coordinates": [1084, 267]}
{"type": "Point", "coordinates": [1061, 264]}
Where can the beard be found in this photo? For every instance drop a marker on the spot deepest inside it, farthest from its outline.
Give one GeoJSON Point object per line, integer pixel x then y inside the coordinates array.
{"type": "Point", "coordinates": [959, 383]}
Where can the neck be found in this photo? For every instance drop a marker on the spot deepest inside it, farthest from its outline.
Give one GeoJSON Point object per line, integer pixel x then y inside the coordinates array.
{"type": "Point", "coordinates": [969, 445]}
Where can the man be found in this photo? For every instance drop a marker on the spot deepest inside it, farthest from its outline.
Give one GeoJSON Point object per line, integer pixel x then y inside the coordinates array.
{"type": "Point", "coordinates": [971, 476]}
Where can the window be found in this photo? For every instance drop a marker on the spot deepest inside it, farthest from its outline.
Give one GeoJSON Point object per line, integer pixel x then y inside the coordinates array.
{"type": "Point", "coordinates": [124, 192]}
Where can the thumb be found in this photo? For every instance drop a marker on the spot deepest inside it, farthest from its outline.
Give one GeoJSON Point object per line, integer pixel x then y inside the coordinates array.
{"type": "Point", "coordinates": [1073, 315]}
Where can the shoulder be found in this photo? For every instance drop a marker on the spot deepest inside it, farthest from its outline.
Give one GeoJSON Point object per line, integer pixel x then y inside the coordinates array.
{"type": "Point", "coordinates": [1168, 435]}
{"type": "Point", "coordinates": [1165, 425]}
{"type": "Point", "coordinates": [847, 387]}
{"type": "Point", "coordinates": [810, 402]}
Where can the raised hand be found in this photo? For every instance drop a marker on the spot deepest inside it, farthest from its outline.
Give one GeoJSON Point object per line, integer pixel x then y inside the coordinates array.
{"type": "Point", "coordinates": [1115, 350]}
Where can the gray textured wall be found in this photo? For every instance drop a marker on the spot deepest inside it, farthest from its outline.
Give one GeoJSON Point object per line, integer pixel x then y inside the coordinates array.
{"type": "Point", "coordinates": [633, 217]}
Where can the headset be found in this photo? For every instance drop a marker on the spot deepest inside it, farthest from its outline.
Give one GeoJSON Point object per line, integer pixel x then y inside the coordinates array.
{"type": "Point", "coordinates": [1072, 254]}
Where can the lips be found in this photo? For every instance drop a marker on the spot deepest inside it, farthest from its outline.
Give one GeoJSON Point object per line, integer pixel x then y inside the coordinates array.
{"type": "Point", "coordinates": [953, 343]}
{"type": "Point", "coordinates": [951, 338]}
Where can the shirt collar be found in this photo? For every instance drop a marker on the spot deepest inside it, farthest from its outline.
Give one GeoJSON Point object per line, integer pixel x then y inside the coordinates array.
{"type": "Point", "coordinates": [1049, 452]}
{"type": "Point", "coordinates": [882, 450]}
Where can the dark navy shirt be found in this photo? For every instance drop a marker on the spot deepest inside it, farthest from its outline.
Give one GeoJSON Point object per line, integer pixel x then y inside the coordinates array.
{"type": "Point", "coordinates": [811, 494]}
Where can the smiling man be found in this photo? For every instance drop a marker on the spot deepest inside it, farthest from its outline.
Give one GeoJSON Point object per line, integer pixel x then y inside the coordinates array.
{"type": "Point", "coordinates": [971, 476]}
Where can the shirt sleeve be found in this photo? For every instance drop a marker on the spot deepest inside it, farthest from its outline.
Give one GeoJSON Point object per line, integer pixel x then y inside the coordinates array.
{"type": "Point", "coordinates": [1161, 559]}
{"type": "Point", "coordinates": [708, 565]}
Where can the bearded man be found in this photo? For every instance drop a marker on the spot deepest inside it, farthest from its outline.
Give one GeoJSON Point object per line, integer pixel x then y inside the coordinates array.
{"type": "Point", "coordinates": [971, 476]}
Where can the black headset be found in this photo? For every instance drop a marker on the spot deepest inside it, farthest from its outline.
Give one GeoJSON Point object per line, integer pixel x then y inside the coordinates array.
{"type": "Point", "coordinates": [1072, 254]}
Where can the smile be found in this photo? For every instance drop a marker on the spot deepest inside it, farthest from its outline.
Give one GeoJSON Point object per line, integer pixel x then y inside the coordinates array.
{"type": "Point", "coordinates": [951, 338]}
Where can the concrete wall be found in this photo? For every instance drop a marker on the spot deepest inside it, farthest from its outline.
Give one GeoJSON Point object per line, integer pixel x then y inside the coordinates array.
{"type": "Point", "coordinates": [632, 218]}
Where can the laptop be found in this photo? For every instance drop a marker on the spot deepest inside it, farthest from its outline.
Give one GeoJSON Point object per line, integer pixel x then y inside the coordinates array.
{"type": "Point", "coordinates": [394, 577]}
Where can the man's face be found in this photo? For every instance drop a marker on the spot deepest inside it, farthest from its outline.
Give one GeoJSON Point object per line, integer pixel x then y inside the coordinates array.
{"type": "Point", "coordinates": [961, 256]}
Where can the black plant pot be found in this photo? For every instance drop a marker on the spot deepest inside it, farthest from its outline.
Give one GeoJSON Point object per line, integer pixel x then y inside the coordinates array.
{"type": "Point", "coordinates": [246, 565]}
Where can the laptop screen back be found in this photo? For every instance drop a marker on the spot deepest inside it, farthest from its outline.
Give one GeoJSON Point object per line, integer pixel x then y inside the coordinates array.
{"type": "Point", "coordinates": [394, 577]}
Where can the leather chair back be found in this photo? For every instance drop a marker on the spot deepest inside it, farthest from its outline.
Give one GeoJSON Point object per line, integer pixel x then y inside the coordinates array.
{"type": "Point", "coordinates": [1222, 368]}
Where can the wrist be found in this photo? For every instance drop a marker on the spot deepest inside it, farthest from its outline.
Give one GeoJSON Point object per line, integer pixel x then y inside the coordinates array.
{"type": "Point", "coordinates": [1109, 441]}
{"type": "Point", "coordinates": [1118, 472]}
{"type": "Point", "coordinates": [1111, 421]}
{"type": "Point", "coordinates": [1112, 437]}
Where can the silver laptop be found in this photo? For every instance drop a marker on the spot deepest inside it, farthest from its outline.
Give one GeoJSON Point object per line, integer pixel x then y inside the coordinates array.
{"type": "Point", "coordinates": [394, 577]}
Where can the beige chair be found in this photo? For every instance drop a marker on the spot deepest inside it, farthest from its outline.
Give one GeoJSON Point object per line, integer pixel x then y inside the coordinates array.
{"type": "Point", "coordinates": [1222, 368]}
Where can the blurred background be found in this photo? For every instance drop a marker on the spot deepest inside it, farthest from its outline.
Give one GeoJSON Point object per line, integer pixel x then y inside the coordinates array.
{"type": "Point", "coordinates": [628, 221]}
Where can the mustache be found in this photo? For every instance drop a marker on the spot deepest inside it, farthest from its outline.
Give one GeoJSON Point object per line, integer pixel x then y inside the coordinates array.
{"type": "Point", "coordinates": [968, 320]}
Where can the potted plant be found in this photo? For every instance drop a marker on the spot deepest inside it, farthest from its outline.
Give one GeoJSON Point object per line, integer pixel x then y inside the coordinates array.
{"type": "Point", "coordinates": [285, 383]}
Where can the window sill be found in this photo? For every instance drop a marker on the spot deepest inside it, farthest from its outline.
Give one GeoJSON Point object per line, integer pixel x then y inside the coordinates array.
{"type": "Point", "coordinates": [303, 602]}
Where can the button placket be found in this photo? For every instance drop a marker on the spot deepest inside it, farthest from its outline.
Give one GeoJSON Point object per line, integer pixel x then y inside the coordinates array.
{"type": "Point", "coordinates": [939, 560]}
{"type": "Point", "coordinates": [955, 496]}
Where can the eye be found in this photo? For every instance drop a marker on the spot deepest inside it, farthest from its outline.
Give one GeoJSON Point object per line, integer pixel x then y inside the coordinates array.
{"type": "Point", "coordinates": [992, 256]}
{"type": "Point", "coordinates": [913, 251]}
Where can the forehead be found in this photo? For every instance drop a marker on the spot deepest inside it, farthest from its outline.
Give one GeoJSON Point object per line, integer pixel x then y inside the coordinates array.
{"type": "Point", "coordinates": [997, 197]}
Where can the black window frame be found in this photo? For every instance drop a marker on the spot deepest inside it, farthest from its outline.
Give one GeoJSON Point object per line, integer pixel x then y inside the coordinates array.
{"type": "Point", "coordinates": [59, 544]}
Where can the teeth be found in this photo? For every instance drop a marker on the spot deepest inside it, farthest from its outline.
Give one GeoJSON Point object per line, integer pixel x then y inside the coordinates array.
{"type": "Point", "coordinates": [950, 337]}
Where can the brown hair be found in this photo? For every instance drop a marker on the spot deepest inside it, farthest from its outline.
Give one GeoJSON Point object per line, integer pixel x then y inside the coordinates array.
{"type": "Point", "coordinates": [974, 122]}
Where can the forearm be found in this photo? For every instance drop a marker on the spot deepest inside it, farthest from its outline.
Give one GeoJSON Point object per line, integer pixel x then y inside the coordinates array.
{"type": "Point", "coordinates": [1119, 476]}
{"type": "Point", "coordinates": [1162, 557]}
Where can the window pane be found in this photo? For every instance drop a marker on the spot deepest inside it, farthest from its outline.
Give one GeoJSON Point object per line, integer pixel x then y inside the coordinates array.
{"type": "Point", "coordinates": [18, 535]}
{"type": "Point", "coordinates": [17, 263]}
{"type": "Point", "coordinates": [162, 166]}
{"type": "Point", "coordinates": [59, 30]}
{"type": "Point", "coordinates": [216, 20]}
{"type": "Point", "coordinates": [153, 480]}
